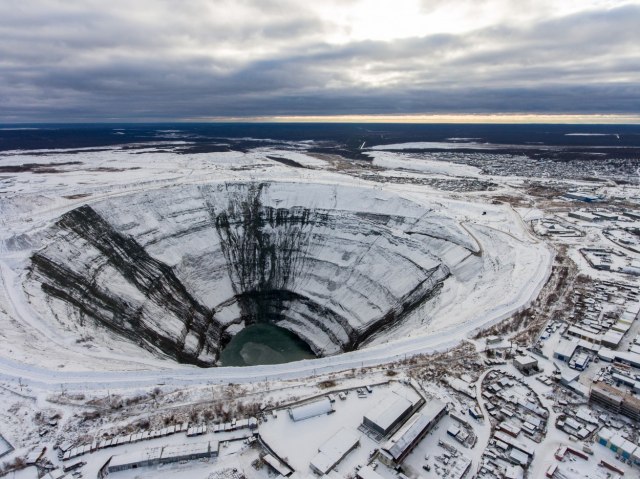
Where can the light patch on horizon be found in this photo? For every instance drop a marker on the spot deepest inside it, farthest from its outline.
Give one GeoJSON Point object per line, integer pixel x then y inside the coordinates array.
{"type": "Point", "coordinates": [446, 118]}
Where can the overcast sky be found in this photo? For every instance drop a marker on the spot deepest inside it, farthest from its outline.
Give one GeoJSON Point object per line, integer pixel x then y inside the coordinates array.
{"type": "Point", "coordinates": [84, 60]}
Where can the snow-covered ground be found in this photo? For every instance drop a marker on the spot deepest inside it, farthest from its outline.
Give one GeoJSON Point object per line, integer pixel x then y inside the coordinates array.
{"type": "Point", "coordinates": [436, 145]}
{"type": "Point", "coordinates": [394, 161]}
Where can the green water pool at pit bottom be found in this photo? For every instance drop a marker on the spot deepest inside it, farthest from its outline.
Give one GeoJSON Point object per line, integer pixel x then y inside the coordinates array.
{"type": "Point", "coordinates": [264, 343]}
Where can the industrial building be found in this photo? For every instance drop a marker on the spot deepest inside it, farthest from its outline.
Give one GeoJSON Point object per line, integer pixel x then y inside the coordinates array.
{"type": "Point", "coordinates": [332, 451]}
{"type": "Point", "coordinates": [632, 214]}
{"type": "Point", "coordinates": [580, 361]}
{"type": "Point", "coordinates": [615, 400]}
{"type": "Point", "coordinates": [630, 358]}
{"type": "Point", "coordinates": [605, 215]}
{"type": "Point", "coordinates": [405, 440]}
{"type": "Point", "coordinates": [277, 465]}
{"type": "Point", "coordinates": [526, 365]}
{"type": "Point", "coordinates": [390, 413]}
{"type": "Point", "coordinates": [584, 216]}
{"type": "Point", "coordinates": [571, 380]}
{"type": "Point", "coordinates": [367, 472]}
{"type": "Point", "coordinates": [514, 443]}
{"type": "Point", "coordinates": [565, 349]}
{"type": "Point", "coordinates": [518, 457]}
{"type": "Point", "coordinates": [510, 428]}
{"type": "Point", "coordinates": [580, 196]}
{"type": "Point", "coordinates": [161, 455]}
{"type": "Point", "coordinates": [236, 424]}
{"type": "Point", "coordinates": [614, 441]}
{"type": "Point", "coordinates": [312, 409]}
{"type": "Point", "coordinates": [148, 457]}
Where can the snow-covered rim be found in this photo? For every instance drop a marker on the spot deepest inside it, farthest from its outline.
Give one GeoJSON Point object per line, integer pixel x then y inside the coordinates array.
{"type": "Point", "coordinates": [370, 356]}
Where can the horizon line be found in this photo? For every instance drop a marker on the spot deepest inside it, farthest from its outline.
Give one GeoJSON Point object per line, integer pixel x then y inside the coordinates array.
{"type": "Point", "coordinates": [497, 118]}
{"type": "Point", "coordinates": [463, 118]}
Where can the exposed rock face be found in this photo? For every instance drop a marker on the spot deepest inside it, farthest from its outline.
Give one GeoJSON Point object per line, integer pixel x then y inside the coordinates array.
{"type": "Point", "coordinates": [173, 269]}
{"type": "Point", "coordinates": [160, 288]}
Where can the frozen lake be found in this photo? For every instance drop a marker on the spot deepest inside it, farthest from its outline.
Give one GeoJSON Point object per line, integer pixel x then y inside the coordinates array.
{"type": "Point", "coordinates": [264, 343]}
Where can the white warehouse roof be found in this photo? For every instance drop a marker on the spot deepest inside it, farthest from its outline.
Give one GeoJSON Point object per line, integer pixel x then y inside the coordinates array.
{"type": "Point", "coordinates": [136, 457]}
{"type": "Point", "coordinates": [367, 472]}
{"type": "Point", "coordinates": [306, 411]}
{"type": "Point", "coordinates": [566, 348]}
{"type": "Point", "coordinates": [334, 449]}
{"type": "Point", "coordinates": [387, 411]}
{"type": "Point", "coordinates": [525, 361]}
{"type": "Point", "coordinates": [405, 437]}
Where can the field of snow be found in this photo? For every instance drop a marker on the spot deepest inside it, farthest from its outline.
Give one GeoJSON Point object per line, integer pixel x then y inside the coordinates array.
{"type": "Point", "coordinates": [435, 145]}
{"type": "Point", "coordinates": [395, 161]}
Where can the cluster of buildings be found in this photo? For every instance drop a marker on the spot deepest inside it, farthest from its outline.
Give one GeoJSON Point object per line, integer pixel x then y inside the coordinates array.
{"type": "Point", "coordinates": [520, 423]}
{"type": "Point", "coordinates": [607, 317]}
{"type": "Point", "coordinates": [626, 238]}
{"type": "Point", "coordinates": [398, 422]}
{"type": "Point", "coordinates": [628, 218]}
{"type": "Point", "coordinates": [601, 324]}
{"type": "Point", "coordinates": [172, 453]}
{"type": "Point", "coordinates": [625, 449]}
{"type": "Point", "coordinates": [604, 318]}
{"type": "Point", "coordinates": [69, 451]}
{"type": "Point", "coordinates": [621, 228]}
{"type": "Point", "coordinates": [604, 330]}
{"type": "Point", "coordinates": [578, 425]}
{"type": "Point", "coordinates": [553, 227]}
{"type": "Point", "coordinates": [607, 259]}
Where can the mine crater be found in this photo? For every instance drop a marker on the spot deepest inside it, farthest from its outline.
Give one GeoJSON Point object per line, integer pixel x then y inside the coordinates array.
{"type": "Point", "coordinates": [182, 271]}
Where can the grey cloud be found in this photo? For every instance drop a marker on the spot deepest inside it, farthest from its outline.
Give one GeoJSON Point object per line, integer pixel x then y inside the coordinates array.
{"type": "Point", "coordinates": [80, 60]}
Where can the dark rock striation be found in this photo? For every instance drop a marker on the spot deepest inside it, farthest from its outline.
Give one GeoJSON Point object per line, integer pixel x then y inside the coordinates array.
{"type": "Point", "coordinates": [180, 270]}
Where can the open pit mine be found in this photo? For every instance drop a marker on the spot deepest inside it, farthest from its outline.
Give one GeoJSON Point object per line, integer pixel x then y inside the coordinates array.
{"type": "Point", "coordinates": [180, 270]}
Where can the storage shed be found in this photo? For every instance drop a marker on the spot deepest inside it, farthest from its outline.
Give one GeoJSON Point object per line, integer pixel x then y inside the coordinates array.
{"type": "Point", "coordinates": [565, 349]}
{"type": "Point", "coordinates": [526, 364]}
{"type": "Point", "coordinates": [312, 409]}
